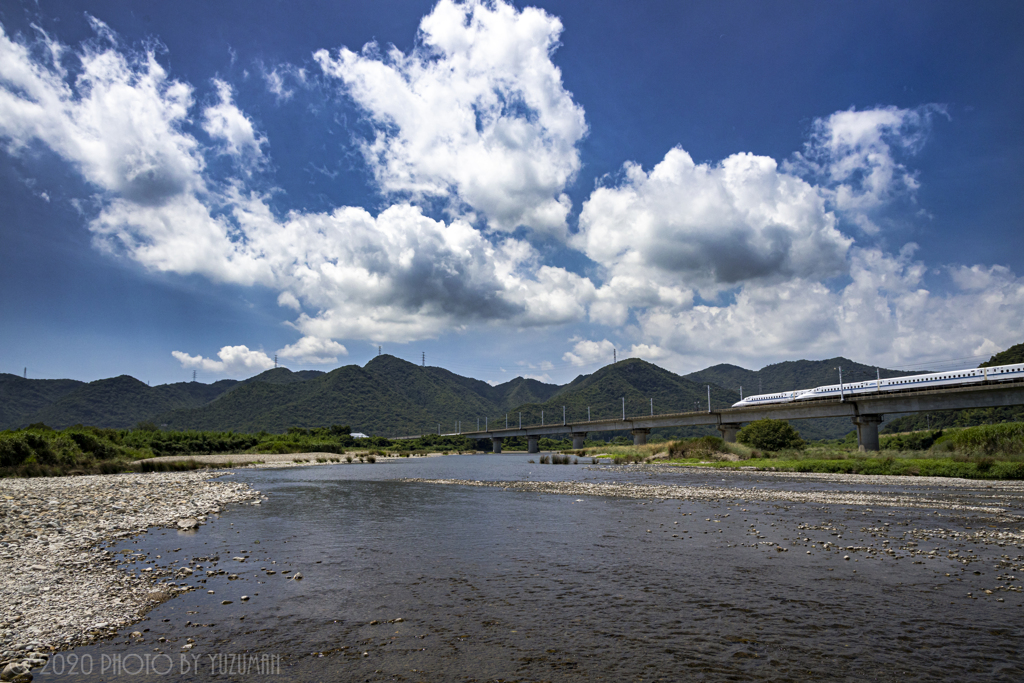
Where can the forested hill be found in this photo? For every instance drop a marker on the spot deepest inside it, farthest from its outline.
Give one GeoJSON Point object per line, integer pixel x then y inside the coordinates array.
{"type": "Point", "coordinates": [791, 375]}
{"type": "Point", "coordinates": [389, 397]}
{"type": "Point", "coordinates": [21, 399]}
{"type": "Point", "coordinates": [942, 419]}
{"type": "Point", "coordinates": [1011, 356]}
{"type": "Point", "coordinates": [118, 402]}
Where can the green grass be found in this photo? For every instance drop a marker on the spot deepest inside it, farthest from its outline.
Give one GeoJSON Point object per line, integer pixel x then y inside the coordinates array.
{"type": "Point", "coordinates": [885, 465]}
{"type": "Point", "coordinates": [983, 452]}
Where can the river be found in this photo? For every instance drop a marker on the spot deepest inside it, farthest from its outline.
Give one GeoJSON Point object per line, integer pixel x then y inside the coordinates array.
{"type": "Point", "coordinates": [422, 581]}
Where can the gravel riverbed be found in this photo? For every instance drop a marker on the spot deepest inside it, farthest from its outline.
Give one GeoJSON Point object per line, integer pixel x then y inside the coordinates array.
{"type": "Point", "coordinates": [59, 586]}
{"type": "Point", "coordinates": [705, 492]}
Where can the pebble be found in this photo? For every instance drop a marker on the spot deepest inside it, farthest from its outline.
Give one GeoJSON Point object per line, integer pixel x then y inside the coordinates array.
{"type": "Point", "coordinates": [59, 586]}
{"type": "Point", "coordinates": [703, 492]}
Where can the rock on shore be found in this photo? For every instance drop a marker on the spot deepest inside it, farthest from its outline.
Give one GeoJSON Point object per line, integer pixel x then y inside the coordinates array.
{"type": "Point", "coordinates": [58, 586]}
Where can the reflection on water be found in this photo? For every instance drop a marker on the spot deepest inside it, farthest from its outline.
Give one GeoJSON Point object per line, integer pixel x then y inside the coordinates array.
{"type": "Point", "coordinates": [423, 582]}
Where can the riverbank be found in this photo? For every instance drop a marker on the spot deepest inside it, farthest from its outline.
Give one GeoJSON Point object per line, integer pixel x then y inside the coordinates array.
{"type": "Point", "coordinates": [778, 494]}
{"type": "Point", "coordinates": [283, 459]}
{"type": "Point", "coordinates": [59, 587]}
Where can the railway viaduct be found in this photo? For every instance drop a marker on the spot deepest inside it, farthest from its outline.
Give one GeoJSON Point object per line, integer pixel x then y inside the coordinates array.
{"type": "Point", "coordinates": [865, 410]}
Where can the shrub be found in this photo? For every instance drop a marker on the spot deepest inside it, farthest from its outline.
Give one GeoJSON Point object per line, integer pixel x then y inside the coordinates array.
{"type": "Point", "coordinates": [696, 448]}
{"type": "Point", "coordinates": [770, 435]}
{"type": "Point", "coordinates": [914, 441]}
{"type": "Point", "coordinates": [1007, 437]}
{"type": "Point", "coordinates": [13, 450]}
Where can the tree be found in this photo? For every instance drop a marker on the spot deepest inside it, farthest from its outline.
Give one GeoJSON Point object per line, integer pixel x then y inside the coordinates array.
{"type": "Point", "coordinates": [770, 435]}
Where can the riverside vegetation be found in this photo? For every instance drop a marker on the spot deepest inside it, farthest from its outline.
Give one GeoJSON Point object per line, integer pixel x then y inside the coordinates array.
{"type": "Point", "coordinates": [984, 452]}
{"type": "Point", "coordinates": [39, 450]}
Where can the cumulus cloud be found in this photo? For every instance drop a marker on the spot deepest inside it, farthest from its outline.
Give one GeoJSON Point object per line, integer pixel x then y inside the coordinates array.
{"type": "Point", "coordinates": [585, 351]}
{"type": "Point", "coordinates": [119, 123]}
{"type": "Point", "coordinates": [314, 351]}
{"type": "Point", "coordinates": [233, 360]}
{"type": "Point", "coordinates": [886, 314]}
{"type": "Point", "coordinates": [710, 225]}
{"type": "Point", "coordinates": [396, 276]}
{"type": "Point", "coordinates": [476, 114]}
{"type": "Point", "coordinates": [855, 154]}
{"type": "Point", "coordinates": [227, 124]}
{"type": "Point", "coordinates": [740, 260]}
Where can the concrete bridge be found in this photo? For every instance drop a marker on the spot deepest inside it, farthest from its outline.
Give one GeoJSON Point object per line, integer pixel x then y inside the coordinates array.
{"type": "Point", "coordinates": [865, 410]}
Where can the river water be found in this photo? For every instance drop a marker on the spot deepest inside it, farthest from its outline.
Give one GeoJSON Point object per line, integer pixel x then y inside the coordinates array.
{"type": "Point", "coordinates": [414, 581]}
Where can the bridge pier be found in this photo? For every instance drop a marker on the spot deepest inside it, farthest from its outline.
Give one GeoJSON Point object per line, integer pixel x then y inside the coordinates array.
{"type": "Point", "coordinates": [533, 444]}
{"type": "Point", "coordinates": [729, 432]}
{"type": "Point", "coordinates": [867, 432]}
{"type": "Point", "coordinates": [640, 436]}
{"type": "Point", "coordinates": [579, 439]}
{"type": "Point", "coordinates": [496, 440]}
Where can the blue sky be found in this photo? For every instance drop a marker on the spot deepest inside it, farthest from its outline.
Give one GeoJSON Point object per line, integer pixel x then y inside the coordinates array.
{"type": "Point", "coordinates": [512, 189]}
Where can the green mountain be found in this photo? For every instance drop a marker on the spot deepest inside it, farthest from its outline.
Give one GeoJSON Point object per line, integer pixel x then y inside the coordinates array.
{"type": "Point", "coordinates": [387, 396]}
{"type": "Point", "coordinates": [122, 402]}
{"type": "Point", "coordinates": [1011, 356]}
{"type": "Point", "coordinates": [790, 375]}
{"type": "Point", "coordinates": [22, 398]}
{"type": "Point", "coordinates": [392, 397]}
{"type": "Point", "coordinates": [636, 381]}
{"type": "Point", "coordinates": [943, 419]}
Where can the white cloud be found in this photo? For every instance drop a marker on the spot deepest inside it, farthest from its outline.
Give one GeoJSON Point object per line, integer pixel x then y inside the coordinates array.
{"type": "Point", "coordinates": [119, 124]}
{"type": "Point", "coordinates": [585, 352]}
{"type": "Point", "coordinates": [276, 85]}
{"type": "Point", "coordinates": [226, 123]}
{"type": "Point", "coordinates": [686, 224]}
{"type": "Point", "coordinates": [234, 360]}
{"type": "Point", "coordinates": [476, 114]}
{"type": "Point", "coordinates": [885, 315]}
{"type": "Point", "coordinates": [737, 261]}
{"type": "Point", "coordinates": [396, 276]}
{"type": "Point", "coordinates": [313, 351]}
{"type": "Point", "coordinates": [854, 153]}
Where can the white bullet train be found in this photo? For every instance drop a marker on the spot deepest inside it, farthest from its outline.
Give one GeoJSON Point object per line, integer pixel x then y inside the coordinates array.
{"type": "Point", "coordinates": [999, 373]}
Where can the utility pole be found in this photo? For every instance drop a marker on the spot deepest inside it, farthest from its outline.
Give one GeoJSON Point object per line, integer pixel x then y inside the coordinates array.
{"type": "Point", "coordinates": [542, 418]}
{"type": "Point", "coordinates": [588, 413]}
{"type": "Point", "coordinates": [520, 420]}
{"type": "Point", "coordinates": [439, 429]}
{"type": "Point", "coordinates": [842, 398]}
{"type": "Point", "coordinates": [652, 407]}
{"type": "Point", "coordinates": [478, 424]}
{"type": "Point", "coordinates": [623, 408]}
{"type": "Point", "coordinates": [506, 420]}
{"type": "Point", "coordinates": [709, 398]}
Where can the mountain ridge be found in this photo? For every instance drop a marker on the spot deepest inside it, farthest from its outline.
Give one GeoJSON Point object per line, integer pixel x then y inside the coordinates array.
{"type": "Point", "coordinates": [389, 396]}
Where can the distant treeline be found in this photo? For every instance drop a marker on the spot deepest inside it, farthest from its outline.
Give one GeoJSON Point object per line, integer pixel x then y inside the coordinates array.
{"type": "Point", "coordinates": [38, 449]}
